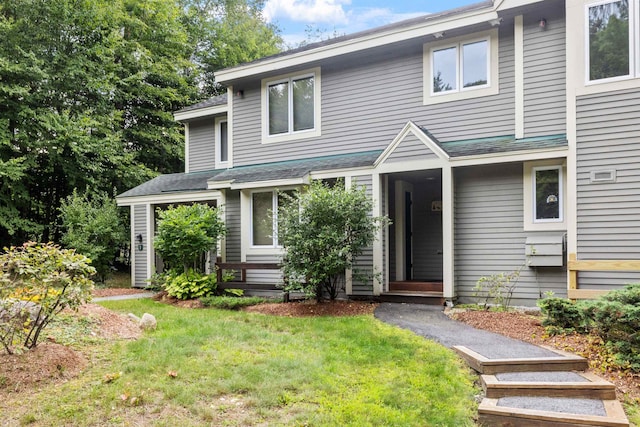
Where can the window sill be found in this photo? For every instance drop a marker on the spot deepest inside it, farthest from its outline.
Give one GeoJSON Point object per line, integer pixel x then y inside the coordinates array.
{"type": "Point", "coordinates": [608, 85]}
{"type": "Point", "coordinates": [265, 250]}
{"type": "Point", "coordinates": [286, 137]}
{"type": "Point", "coordinates": [545, 226]}
{"type": "Point", "coordinates": [461, 95]}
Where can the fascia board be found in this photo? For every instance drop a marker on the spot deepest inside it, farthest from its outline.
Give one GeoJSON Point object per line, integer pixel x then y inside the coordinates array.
{"type": "Point", "coordinates": [219, 185]}
{"type": "Point", "coordinates": [168, 198]}
{"type": "Point", "coordinates": [201, 112]}
{"type": "Point", "coordinates": [515, 156]}
{"type": "Point", "coordinates": [357, 44]}
{"type": "Point", "coordinates": [272, 183]}
{"type": "Point", "coordinates": [512, 4]}
{"type": "Point", "coordinates": [412, 128]}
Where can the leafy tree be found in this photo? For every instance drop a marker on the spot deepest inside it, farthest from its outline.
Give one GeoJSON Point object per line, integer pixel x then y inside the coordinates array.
{"type": "Point", "coordinates": [322, 230]}
{"type": "Point", "coordinates": [186, 233]}
{"type": "Point", "coordinates": [225, 33]}
{"type": "Point", "coordinates": [92, 225]}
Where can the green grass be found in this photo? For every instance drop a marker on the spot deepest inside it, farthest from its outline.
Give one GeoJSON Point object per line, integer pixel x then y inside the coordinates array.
{"type": "Point", "coordinates": [215, 367]}
{"type": "Point", "coordinates": [230, 302]}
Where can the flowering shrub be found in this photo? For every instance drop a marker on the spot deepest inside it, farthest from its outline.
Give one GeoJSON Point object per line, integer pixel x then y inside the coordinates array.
{"type": "Point", "coordinates": [38, 281]}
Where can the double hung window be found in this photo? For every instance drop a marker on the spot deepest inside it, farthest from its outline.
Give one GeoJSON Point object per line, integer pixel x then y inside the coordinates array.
{"type": "Point", "coordinates": [222, 142]}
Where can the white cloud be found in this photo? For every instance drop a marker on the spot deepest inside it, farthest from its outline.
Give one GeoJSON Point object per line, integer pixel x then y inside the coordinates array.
{"type": "Point", "coordinates": [316, 11]}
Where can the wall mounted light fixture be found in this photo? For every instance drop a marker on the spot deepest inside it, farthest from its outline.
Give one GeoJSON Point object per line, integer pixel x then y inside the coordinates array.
{"type": "Point", "coordinates": [542, 24]}
{"type": "Point", "coordinates": [438, 35]}
{"type": "Point", "coordinates": [495, 22]}
{"type": "Point", "coordinates": [139, 240]}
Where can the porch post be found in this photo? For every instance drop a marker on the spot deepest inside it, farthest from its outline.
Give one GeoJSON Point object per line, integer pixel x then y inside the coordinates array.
{"type": "Point", "coordinates": [447, 233]}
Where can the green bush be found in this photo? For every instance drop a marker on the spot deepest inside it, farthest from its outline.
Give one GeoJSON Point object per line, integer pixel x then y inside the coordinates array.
{"type": "Point", "coordinates": [92, 225]}
{"type": "Point", "coordinates": [230, 302]}
{"type": "Point", "coordinates": [615, 317]}
{"type": "Point", "coordinates": [566, 315]}
{"type": "Point", "coordinates": [191, 285]}
{"type": "Point", "coordinates": [37, 282]}
{"type": "Point", "coordinates": [186, 234]}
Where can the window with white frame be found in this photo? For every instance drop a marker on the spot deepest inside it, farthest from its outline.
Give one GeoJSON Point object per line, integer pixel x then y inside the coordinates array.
{"type": "Point", "coordinates": [612, 48]}
{"type": "Point", "coordinates": [461, 68]}
{"type": "Point", "coordinates": [544, 195]}
{"type": "Point", "coordinates": [264, 217]}
{"type": "Point", "coordinates": [291, 106]}
{"type": "Point", "coordinates": [222, 142]}
{"type": "Point", "coordinates": [547, 190]}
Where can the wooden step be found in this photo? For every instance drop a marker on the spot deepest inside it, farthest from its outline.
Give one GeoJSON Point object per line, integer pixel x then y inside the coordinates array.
{"type": "Point", "coordinates": [567, 384]}
{"type": "Point", "coordinates": [491, 413]}
{"type": "Point", "coordinates": [416, 286]}
{"type": "Point", "coordinates": [563, 362]}
{"type": "Point", "coordinates": [411, 297]}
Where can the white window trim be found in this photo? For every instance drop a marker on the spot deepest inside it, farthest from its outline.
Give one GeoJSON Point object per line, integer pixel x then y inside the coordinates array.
{"type": "Point", "coordinates": [493, 84]}
{"type": "Point", "coordinates": [634, 44]}
{"type": "Point", "coordinates": [317, 113]}
{"type": "Point", "coordinates": [530, 222]}
{"type": "Point", "coordinates": [218, 130]}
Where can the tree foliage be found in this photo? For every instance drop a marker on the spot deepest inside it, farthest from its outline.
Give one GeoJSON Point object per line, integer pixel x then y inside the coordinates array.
{"type": "Point", "coordinates": [38, 281]}
{"type": "Point", "coordinates": [87, 91]}
{"type": "Point", "coordinates": [186, 233]}
{"type": "Point", "coordinates": [322, 230]}
{"type": "Point", "coordinates": [92, 226]}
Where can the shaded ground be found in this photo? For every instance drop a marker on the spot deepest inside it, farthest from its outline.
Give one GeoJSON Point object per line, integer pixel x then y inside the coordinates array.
{"type": "Point", "coordinates": [311, 308]}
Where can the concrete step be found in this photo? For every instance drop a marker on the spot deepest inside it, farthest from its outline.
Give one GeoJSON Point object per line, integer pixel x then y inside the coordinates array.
{"type": "Point", "coordinates": [524, 411]}
{"type": "Point", "coordinates": [562, 362]}
{"type": "Point", "coordinates": [549, 384]}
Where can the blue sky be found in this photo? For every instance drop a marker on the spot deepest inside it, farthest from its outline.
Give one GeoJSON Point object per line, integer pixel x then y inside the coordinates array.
{"type": "Point", "coordinates": [346, 16]}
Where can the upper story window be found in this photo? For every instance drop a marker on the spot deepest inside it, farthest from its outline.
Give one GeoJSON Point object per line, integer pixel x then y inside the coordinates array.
{"type": "Point", "coordinates": [291, 106]}
{"type": "Point", "coordinates": [612, 27]}
{"type": "Point", "coordinates": [222, 142]}
{"type": "Point", "coordinates": [461, 68]}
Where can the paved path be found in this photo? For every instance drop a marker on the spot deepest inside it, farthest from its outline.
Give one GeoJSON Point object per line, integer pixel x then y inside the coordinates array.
{"type": "Point", "coordinates": [123, 297]}
{"type": "Point", "coordinates": [430, 322]}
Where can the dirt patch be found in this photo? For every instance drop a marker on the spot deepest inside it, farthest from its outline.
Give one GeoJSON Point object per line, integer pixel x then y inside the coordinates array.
{"type": "Point", "coordinates": [526, 327]}
{"type": "Point", "coordinates": [53, 362]}
{"type": "Point", "coordinates": [313, 308]}
{"type": "Point", "coordinates": [47, 362]}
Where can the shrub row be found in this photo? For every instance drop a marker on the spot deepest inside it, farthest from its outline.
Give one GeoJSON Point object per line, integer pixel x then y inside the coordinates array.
{"type": "Point", "coordinates": [615, 317]}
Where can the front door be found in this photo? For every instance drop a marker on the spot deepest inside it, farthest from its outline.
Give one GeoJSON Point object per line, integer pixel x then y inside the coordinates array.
{"type": "Point", "coordinates": [408, 235]}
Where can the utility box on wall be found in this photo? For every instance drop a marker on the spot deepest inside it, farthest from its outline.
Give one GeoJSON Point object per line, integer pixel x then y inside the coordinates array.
{"type": "Point", "coordinates": [545, 251]}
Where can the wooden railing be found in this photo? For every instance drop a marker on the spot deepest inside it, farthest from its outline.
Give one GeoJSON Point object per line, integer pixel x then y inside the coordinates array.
{"type": "Point", "coordinates": [574, 266]}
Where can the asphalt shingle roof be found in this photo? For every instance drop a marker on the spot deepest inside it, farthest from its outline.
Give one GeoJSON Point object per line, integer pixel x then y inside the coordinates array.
{"type": "Point", "coordinates": [211, 102]}
{"type": "Point", "coordinates": [172, 183]}
{"type": "Point", "coordinates": [501, 144]}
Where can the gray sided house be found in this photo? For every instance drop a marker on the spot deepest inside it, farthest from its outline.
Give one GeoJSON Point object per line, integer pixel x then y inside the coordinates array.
{"type": "Point", "coordinates": [494, 136]}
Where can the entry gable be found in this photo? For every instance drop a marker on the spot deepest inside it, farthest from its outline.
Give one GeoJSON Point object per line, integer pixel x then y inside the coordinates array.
{"type": "Point", "coordinates": [412, 144]}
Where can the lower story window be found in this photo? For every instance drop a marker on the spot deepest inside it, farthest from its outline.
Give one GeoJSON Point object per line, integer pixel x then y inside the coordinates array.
{"type": "Point", "coordinates": [548, 194]}
{"type": "Point", "coordinates": [264, 217]}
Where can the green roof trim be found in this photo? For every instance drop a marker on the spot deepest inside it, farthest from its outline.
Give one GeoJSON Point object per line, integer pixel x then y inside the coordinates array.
{"type": "Point", "coordinates": [501, 144]}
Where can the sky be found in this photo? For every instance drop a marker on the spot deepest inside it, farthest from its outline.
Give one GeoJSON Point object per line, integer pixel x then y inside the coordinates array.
{"type": "Point", "coordinates": [328, 17]}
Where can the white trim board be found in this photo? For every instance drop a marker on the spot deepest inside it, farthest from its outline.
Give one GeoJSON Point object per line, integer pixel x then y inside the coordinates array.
{"type": "Point", "coordinates": [169, 198]}
{"type": "Point", "coordinates": [413, 129]}
{"type": "Point", "coordinates": [201, 112]}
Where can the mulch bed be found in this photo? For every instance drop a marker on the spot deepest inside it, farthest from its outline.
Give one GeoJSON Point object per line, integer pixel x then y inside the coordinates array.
{"type": "Point", "coordinates": [313, 308]}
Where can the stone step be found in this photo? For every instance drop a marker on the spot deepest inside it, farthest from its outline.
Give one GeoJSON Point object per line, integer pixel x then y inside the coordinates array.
{"type": "Point", "coordinates": [562, 362]}
{"type": "Point", "coordinates": [549, 384]}
{"type": "Point", "coordinates": [525, 411]}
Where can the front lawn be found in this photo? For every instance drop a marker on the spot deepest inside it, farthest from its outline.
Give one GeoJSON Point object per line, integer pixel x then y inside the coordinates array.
{"type": "Point", "coordinates": [216, 367]}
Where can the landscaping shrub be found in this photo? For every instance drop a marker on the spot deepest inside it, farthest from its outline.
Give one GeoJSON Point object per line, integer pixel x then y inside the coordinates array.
{"type": "Point", "coordinates": [37, 282]}
{"type": "Point", "coordinates": [615, 317]}
{"type": "Point", "coordinates": [191, 284]}
{"type": "Point", "coordinates": [566, 315]}
{"type": "Point", "coordinates": [497, 288]}
{"type": "Point", "coordinates": [230, 302]}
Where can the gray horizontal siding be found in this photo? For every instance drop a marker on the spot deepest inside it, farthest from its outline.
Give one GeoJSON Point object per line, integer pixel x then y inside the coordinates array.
{"type": "Point", "coordinates": [232, 219]}
{"type": "Point", "coordinates": [545, 74]}
{"type": "Point", "coordinates": [489, 234]}
{"type": "Point", "coordinates": [365, 105]}
{"type": "Point", "coordinates": [202, 145]}
{"type": "Point", "coordinates": [264, 277]}
{"type": "Point", "coordinates": [140, 227]}
{"type": "Point", "coordinates": [411, 148]}
{"type": "Point", "coordinates": [608, 138]}
{"type": "Point", "coordinates": [363, 264]}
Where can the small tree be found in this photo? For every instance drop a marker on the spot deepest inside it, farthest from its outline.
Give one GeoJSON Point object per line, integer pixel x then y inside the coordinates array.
{"type": "Point", "coordinates": [92, 225]}
{"type": "Point", "coordinates": [186, 233]}
{"type": "Point", "coordinates": [322, 230]}
{"type": "Point", "coordinates": [38, 281]}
